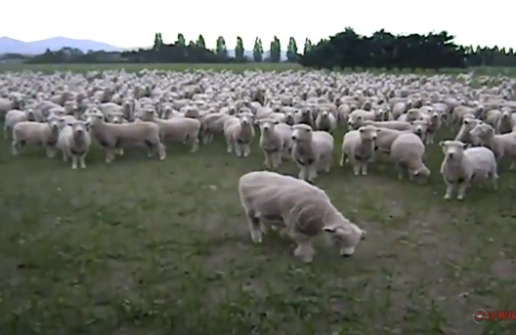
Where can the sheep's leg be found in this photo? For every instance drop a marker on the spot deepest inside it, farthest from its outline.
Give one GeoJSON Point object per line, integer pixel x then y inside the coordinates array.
{"type": "Point", "coordinates": [302, 173]}
{"type": "Point", "coordinates": [400, 171]}
{"type": "Point", "coordinates": [304, 249]}
{"type": "Point", "coordinates": [449, 191]}
{"type": "Point", "coordinates": [119, 151]}
{"type": "Point", "coordinates": [82, 161]}
{"type": "Point", "coordinates": [238, 149]}
{"type": "Point", "coordinates": [513, 165]}
{"type": "Point", "coordinates": [364, 168]}
{"type": "Point", "coordinates": [356, 168]}
{"type": "Point", "coordinates": [312, 173]}
{"type": "Point", "coordinates": [277, 159]}
{"type": "Point", "coordinates": [254, 227]}
{"type": "Point", "coordinates": [342, 158]}
{"type": "Point", "coordinates": [14, 148]}
{"type": "Point", "coordinates": [161, 150]}
{"type": "Point", "coordinates": [494, 180]}
{"type": "Point", "coordinates": [51, 152]}
{"type": "Point", "coordinates": [246, 149]}
{"type": "Point", "coordinates": [6, 130]}
{"type": "Point", "coordinates": [264, 228]}
{"type": "Point", "coordinates": [230, 146]}
{"type": "Point", "coordinates": [110, 155]}
{"type": "Point", "coordinates": [74, 162]}
{"type": "Point", "coordinates": [194, 142]}
{"type": "Point", "coordinates": [461, 190]}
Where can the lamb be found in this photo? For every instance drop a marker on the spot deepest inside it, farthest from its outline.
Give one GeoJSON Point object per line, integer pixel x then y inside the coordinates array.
{"type": "Point", "coordinates": [275, 140]}
{"type": "Point", "coordinates": [407, 152]}
{"type": "Point", "coordinates": [303, 211]}
{"type": "Point", "coordinates": [326, 121]}
{"type": "Point", "coordinates": [36, 133]}
{"type": "Point", "coordinates": [358, 148]}
{"type": "Point", "coordinates": [357, 117]}
{"type": "Point", "coordinates": [177, 129]}
{"type": "Point", "coordinates": [16, 116]}
{"type": "Point", "coordinates": [462, 166]}
{"type": "Point", "coordinates": [502, 145]}
{"type": "Point", "coordinates": [74, 142]}
{"type": "Point", "coordinates": [239, 133]}
{"type": "Point", "coordinates": [464, 135]}
{"type": "Point", "coordinates": [119, 136]}
{"type": "Point", "coordinates": [312, 150]}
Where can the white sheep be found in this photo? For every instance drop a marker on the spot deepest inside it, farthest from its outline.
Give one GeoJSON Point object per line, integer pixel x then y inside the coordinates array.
{"type": "Point", "coordinates": [239, 132]}
{"type": "Point", "coordinates": [74, 142]}
{"type": "Point", "coordinates": [407, 152]}
{"type": "Point", "coordinates": [464, 135]}
{"type": "Point", "coordinates": [36, 133]}
{"type": "Point", "coordinates": [119, 136]}
{"type": "Point", "coordinates": [326, 121]}
{"type": "Point", "coordinates": [303, 211]}
{"type": "Point", "coordinates": [462, 166]}
{"type": "Point", "coordinates": [358, 148]}
{"type": "Point", "coordinates": [177, 129]}
{"type": "Point", "coordinates": [15, 116]}
{"type": "Point", "coordinates": [275, 141]}
{"type": "Point", "coordinates": [213, 124]}
{"type": "Point", "coordinates": [357, 117]}
{"type": "Point", "coordinates": [394, 124]}
{"type": "Point", "coordinates": [502, 145]}
{"type": "Point", "coordinates": [311, 151]}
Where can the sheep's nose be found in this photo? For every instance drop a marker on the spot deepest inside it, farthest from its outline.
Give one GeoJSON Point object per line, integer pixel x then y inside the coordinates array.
{"type": "Point", "coordinates": [294, 137]}
{"type": "Point", "coordinates": [346, 255]}
{"type": "Point", "coordinates": [450, 155]}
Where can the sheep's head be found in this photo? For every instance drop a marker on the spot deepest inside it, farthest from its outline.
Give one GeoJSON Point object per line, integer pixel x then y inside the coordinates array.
{"type": "Point", "coordinates": [31, 115]}
{"type": "Point", "coordinates": [267, 125]}
{"type": "Point", "coordinates": [345, 237]}
{"type": "Point", "coordinates": [453, 150]}
{"type": "Point", "coordinates": [368, 133]}
{"type": "Point", "coordinates": [354, 121]}
{"type": "Point", "coordinates": [54, 124]}
{"type": "Point", "coordinates": [413, 114]}
{"type": "Point", "coordinates": [246, 119]}
{"type": "Point", "coordinates": [115, 118]}
{"type": "Point", "coordinates": [482, 130]}
{"type": "Point", "coordinates": [302, 132]}
{"type": "Point", "coordinates": [419, 127]}
{"type": "Point", "coordinates": [94, 116]}
{"type": "Point", "coordinates": [79, 128]}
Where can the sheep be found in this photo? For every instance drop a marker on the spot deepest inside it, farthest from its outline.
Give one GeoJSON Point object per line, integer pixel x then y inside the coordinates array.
{"type": "Point", "coordinates": [420, 128]}
{"type": "Point", "coordinates": [182, 129]}
{"type": "Point", "coordinates": [311, 151]}
{"type": "Point", "coordinates": [74, 142]}
{"type": "Point", "coordinates": [303, 211]}
{"type": "Point", "coordinates": [357, 117]}
{"type": "Point", "coordinates": [407, 152]}
{"type": "Point", "coordinates": [394, 124]}
{"type": "Point", "coordinates": [464, 135]}
{"type": "Point", "coordinates": [15, 116]}
{"type": "Point", "coordinates": [239, 132]}
{"type": "Point", "coordinates": [461, 166]}
{"type": "Point", "coordinates": [384, 139]}
{"type": "Point", "coordinates": [36, 133]}
{"type": "Point", "coordinates": [358, 147]}
{"type": "Point", "coordinates": [502, 145]}
{"type": "Point", "coordinates": [213, 124]}
{"type": "Point", "coordinates": [275, 141]}
{"type": "Point", "coordinates": [114, 136]}
{"type": "Point", "coordinates": [326, 121]}
{"type": "Point", "coordinates": [505, 123]}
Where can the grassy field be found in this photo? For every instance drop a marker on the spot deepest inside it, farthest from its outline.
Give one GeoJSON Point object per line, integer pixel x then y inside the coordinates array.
{"type": "Point", "coordinates": [149, 247]}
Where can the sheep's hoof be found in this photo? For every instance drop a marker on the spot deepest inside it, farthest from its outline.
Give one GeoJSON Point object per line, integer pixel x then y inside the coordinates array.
{"type": "Point", "coordinates": [447, 197]}
{"type": "Point", "coordinates": [460, 197]}
{"type": "Point", "coordinates": [74, 167]}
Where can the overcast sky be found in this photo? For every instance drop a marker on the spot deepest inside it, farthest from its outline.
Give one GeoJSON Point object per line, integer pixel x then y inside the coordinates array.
{"type": "Point", "coordinates": [133, 23]}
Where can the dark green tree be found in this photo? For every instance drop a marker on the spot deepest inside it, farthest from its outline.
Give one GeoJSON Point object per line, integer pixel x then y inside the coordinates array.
{"type": "Point", "coordinates": [308, 46]}
{"type": "Point", "coordinates": [181, 39]}
{"type": "Point", "coordinates": [292, 50]}
{"type": "Point", "coordinates": [239, 49]}
{"type": "Point", "coordinates": [258, 50]}
{"type": "Point", "coordinates": [275, 50]}
{"type": "Point", "coordinates": [221, 49]}
{"type": "Point", "coordinates": [158, 41]}
{"type": "Point", "coordinates": [201, 43]}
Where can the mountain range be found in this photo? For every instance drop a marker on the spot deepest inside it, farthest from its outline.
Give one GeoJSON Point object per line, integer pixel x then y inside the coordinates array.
{"type": "Point", "coordinates": [11, 45]}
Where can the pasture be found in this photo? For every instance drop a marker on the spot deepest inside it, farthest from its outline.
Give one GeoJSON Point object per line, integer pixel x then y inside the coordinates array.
{"type": "Point", "coordinates": [148, 247]}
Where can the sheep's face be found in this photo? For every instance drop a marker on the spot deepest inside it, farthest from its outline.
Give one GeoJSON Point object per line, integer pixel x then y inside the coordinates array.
{"type": "Point", "coordinates": [301, 132]}
{"type": "Point", "coordinates": [94, 118]}
{"type": "Point", "coordinates": [419, 127]}
{"type": "Point", "coordinates": [354, 121]}
{"type": "Point", "coordinates": [115, 118]}
{"type": "Point", "coordinates": [482, 130]}
{"type": "Point", "coordinates": [413, 115]}
{"type": "Point", "coordinates": [267, 126]}
{"type": "Point", "coordinates": [245, 119]}
{"type": "Point", "coordinates": [31, 116]}
{"type": "Point", "coordinates": [324, 115]}
{"type": "Point", "coordinates": [289, 118]}
{"type": "Point", "coordinates": [506, 115]}
{"type": "Point", "coordinates": [453, 150]}
{"type": "Point", "coordinates": [79, 128]}
{"type": "Point", "coordinates": [345, 238]}
{"type": "Point", "coordinates": [368, 133]}
{"type": "Point", "coordinates": [423, 172]}
{"type": "Point", "coordinates": [54, 124]}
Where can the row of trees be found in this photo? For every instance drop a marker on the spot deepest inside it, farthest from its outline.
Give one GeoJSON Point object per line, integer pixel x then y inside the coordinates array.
{"type": "Point", "coordinates": [346, 49]}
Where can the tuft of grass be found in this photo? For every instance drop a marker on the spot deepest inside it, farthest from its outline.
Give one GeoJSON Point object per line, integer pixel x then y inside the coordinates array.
{"type": "Point", "coordinates": [149, 247]}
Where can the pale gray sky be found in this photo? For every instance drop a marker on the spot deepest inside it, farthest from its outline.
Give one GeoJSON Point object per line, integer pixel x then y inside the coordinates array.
{"type": "Point", "coordinates": [133, 24]}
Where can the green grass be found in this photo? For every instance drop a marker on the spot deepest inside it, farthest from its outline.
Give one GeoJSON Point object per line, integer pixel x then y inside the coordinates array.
{"type": "Point", "coordinates": [149, 247]}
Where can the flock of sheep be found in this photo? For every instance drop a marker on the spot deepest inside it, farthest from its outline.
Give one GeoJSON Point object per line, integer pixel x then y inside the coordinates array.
{"type": "Point", "coordinates": [388, 118]}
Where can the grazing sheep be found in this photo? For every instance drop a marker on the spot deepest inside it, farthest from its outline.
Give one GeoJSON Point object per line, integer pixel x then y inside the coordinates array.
{"type": "Point", "coordinates": [311, 151]}
{"type": "Point", "coordinates": [16, 116]}
{"type": "Point", "coordinates": [407, 152]}
{"type": "Point", "coordinates": [275, 141]}
{"type": "Point", "coordinates": [358, 148]}
{"type": "Point", "coordinates": [119, 136]}
{"type": "Point", "coordinates": [239, 133]}
{"type": "Point", "coordinates": [462, 166]}
{"type": "Point", "coordinates": [74, 142]}
{"type": "Point", "coordinates": [502, 145]}
{"type": "Point", "coordinates": [384, 139]}
{"type": "Point", "coordinates": [303, 211]}
{"type": "Point", "coordinates": [35, 133]}
{"type": "Point", "coordinates": [178, 129]}
{"type": "Point", "coordinates": [326, 121]}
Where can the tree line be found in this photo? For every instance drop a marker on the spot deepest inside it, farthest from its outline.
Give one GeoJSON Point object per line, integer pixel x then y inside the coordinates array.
{"type": "Point", "coordinates": [346, 49]}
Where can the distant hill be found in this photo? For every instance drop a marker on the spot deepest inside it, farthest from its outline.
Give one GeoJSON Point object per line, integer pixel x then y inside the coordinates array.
{"type": "Point", "coordinates": [10, 45]}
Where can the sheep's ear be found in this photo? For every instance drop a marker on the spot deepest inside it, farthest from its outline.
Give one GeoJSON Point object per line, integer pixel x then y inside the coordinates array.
{"type": "Point", "coordinates": [69, 124]}
{"type": "Point", "coordinates": [411, 122]}
{"type": "Point", "coordinates": [442, 143]}
{"type": "Point", "coordinates": [276, 122]}
{"type": "Point", "coordinates": [465, 145]}
{"type": "Point", "coordinates": [329, 229]}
